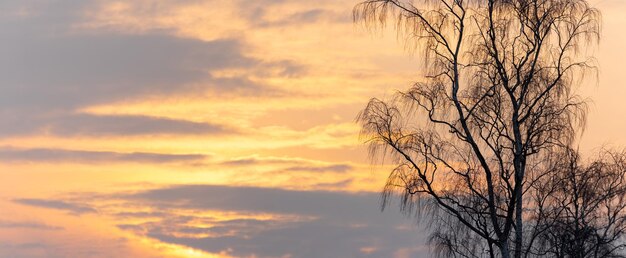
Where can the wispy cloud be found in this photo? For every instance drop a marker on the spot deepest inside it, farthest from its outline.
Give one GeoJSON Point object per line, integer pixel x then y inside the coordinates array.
{"type": "Point", "coordinates": [103, 125]}
{"type": "Point", "coordinates": [73, 208]}
{"type": "Point", "coordinates": [28, 225]}
{"type": "Point", "coordinates": [62, 155]}
{"type": "Point", "coordinates": [300, 18]}
{"type": "Point", "coordinates": [287, 165]}
{"type": "Point", "coordinates": [339, 168]}
{"type": "Point", "coordinates": [339, 184]}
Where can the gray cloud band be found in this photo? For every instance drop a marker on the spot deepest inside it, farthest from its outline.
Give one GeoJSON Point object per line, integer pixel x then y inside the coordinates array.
{"type": "Point", "coordinates": [9, 154]}
{"type": "Point", "coordinates": [49, 69]}
{"type": "Point", "coordinates": [306, 223]}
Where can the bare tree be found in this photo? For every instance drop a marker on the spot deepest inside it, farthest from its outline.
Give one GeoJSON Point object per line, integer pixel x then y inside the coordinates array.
{"type": "Point", "coordinates": [585, 212]}
{"type": "Point", "coordinates": [575, 210]}
{"type": "Point", "coordinates": [470, 139]}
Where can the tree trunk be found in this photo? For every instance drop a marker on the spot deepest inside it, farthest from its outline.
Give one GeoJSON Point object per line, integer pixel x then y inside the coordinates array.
{"type": "Point", "coordinates": [504, 249]}
{"type": "Point", "coordinates": [518, 225]}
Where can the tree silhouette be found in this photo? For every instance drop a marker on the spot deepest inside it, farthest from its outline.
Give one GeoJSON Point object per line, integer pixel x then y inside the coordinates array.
{"type": "Point", "coordinates": [478, 141]}
{"type": "Point", "coordinates": [584, 210]}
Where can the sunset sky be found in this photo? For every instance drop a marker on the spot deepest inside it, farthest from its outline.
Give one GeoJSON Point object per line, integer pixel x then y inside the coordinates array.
{"type": "Point", "coordinates": [216, 128]}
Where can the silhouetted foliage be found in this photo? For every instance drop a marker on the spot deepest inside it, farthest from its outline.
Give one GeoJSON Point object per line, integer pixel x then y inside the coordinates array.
{"type": "Point", "coordinates": [480, 142]}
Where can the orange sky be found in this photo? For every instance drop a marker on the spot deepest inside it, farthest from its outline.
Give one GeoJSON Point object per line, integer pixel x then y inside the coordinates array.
{"type": "Point", "coordinates": [220, 128]}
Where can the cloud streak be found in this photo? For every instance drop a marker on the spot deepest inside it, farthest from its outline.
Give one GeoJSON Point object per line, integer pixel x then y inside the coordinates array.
{"type": "Point", "coordinates": [103, 125]}
{"type": "Point", "coordinates": [27, 225]}
{"type": "Point", "coordinates": [339, 168]}
{"type": "Point", "coordinates": [72, 208]}
{"type": "Point", "coordinates": [59, 155]}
